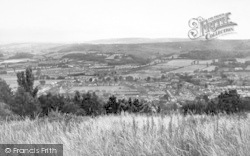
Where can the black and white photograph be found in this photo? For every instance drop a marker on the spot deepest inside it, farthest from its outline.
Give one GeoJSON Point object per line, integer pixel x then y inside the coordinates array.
{"type": "Point", "coordinates": [124, 78]}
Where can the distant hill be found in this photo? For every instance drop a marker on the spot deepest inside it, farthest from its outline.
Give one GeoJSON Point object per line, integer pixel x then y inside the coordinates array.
{"type": "Point", "coordinates": [142, 48]}
{"type": "Point", "coordinates": [35, 48]}
{"type": "Point", "coordinates": [102, 59]}
{"type": "Point", "coordinates": [21, 56]}
{"type": "Point", "coordinates": [145, 50]}
{"type": "Point", "coordinates": [214, 54]}
{"type": "Point", "coordinates": [136, 40]}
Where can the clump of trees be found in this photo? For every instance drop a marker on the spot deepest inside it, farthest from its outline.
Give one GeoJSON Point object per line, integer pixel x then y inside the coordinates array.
{"type": "Point", "coordinates": [89, 102]}
{"type": "Point", "coordinates": [227, 102]}
{"type": "Point", "coordinates": [59, 103]}
{"type": "Point", "coordinates": [114, 106]}
{"type": "Point", "coordinates": [25, 102]}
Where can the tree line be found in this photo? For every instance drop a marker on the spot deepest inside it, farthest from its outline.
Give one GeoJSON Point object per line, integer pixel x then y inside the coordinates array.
{"type": "Point", "coordinates": [228, 102]}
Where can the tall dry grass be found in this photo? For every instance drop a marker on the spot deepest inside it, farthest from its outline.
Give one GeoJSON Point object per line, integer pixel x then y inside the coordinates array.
{"type": "Point", "coordinates": [127, 135]}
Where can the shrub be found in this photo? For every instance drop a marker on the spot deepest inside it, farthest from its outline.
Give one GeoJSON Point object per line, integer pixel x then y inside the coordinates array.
{"type": "Point", "coordinates": [149, 108]}
{"type": "Point", "coordinates": [227, 102]}
{"type": "Point", "coordinates": [25, 104]}
{"type": "Point", "coordinates": [167, 107]}
{"type": "Point", "coordinates": [5, 111]}
{"type": "Point", "coordinates": [195, 107]}
{"type": "Point", "coordinates": [132, 106]}
{"type": "Point", "coordinates": [51, 102]}
{"type": "Point", "coordinates": [245, 104]}
{"type": "Point", "coordinates": [89, 102]}
{"type": "Point", "coordinates": [6, 95]}
{"type": "Point", "coordinates": [71, 108]}
{"type": "Point", "coordinates": [112, 106]}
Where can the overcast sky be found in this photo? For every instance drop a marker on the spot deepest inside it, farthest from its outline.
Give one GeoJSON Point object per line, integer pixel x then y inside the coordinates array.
{"type": "Point", "coordinates": [84, 20]}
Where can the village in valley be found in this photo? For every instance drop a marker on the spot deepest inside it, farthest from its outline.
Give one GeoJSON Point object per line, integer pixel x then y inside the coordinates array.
{"type": "Point", "coordinates": [161, 77]}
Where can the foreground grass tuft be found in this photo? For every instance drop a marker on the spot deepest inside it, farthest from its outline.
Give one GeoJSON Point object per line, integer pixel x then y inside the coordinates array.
{"type": "Point", "coordinates": [174, 135]}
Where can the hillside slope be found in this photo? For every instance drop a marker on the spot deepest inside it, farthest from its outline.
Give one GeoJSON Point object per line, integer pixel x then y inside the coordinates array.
{"type": "Point", "coordinates": [148, 49]}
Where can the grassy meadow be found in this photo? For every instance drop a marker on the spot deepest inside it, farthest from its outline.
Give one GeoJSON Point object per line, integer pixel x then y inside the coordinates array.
{"type": "Point", "coordinates": [139, 135]}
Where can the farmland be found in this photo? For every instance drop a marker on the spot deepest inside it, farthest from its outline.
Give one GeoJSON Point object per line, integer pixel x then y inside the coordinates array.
{"type": "Point", "coordinates": [15, 61]}
{"type": "Point", "coordinates": [172, 135]}
{"type": "Point", "coordinates": [190, 69]}
{"type": "Point", "coordinates": [100, 88]}
{"type": "Point", "coordinates": [242, 60]}
{"type": "Point", "coordinates": [12, 81]}
{"type": "Point", "coordinates": [145, 74]}
{"type": "Point", "coordinates": [183, 65]}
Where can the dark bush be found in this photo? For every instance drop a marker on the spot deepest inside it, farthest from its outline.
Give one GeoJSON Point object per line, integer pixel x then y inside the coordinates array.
{"type": "Point", "coordinates": [112, 106]}
{"type": "Point", "coordinates": [131, 106]}
{"type": "Point", "coordinates": [51, 102]}
{"type": "Point", "coordinates": [6, 95]}
{"type": "Point", "coordinates": [71, 108]}
{"type": "Point", "coordinates": [89, 102]}
{"type": "Point", "coordinates": [196, 107]}
{"type": "Point", "coordinates": [24, 104]}
{"type": "Point", "coordinates": [245, 104]}
{"type": "Point", "coordinates": [5, 111]}
{"type": "Point", "coordinates": [227, 102]}
{"type": "Point", "coordinates": [167, 107]}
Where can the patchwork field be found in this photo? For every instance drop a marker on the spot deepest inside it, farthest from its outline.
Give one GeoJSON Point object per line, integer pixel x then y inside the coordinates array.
{"type": "Point", "coordinates": [15, 61]}
{"type": "Point", "coordinates": [57, 55]}
{"type": "Point", "coordinates": [99, 88]}
{"type": "Point", "coordinates": [183, 65]}
{"type": "Point", "coordinates": [173, 135]}
{"type": "Point", "coordinates": [179, 63]}
{"type": "Point", "coordinates": [245, 74]}
{"type": "Point", "coordinates": [12, 81]}
{"type": "Point", "coordinates": [210, 68]}
{"type": "Point", "coordinates": [243, 60]}
{"type": "Point", "coordinates": [189, 69]}
{"type": "Point", "coordinates": [171, 65]}
{"type": "Point", "coordinates": [144, 74]}
{"type": "Point", "coordinates": [176, 64]}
